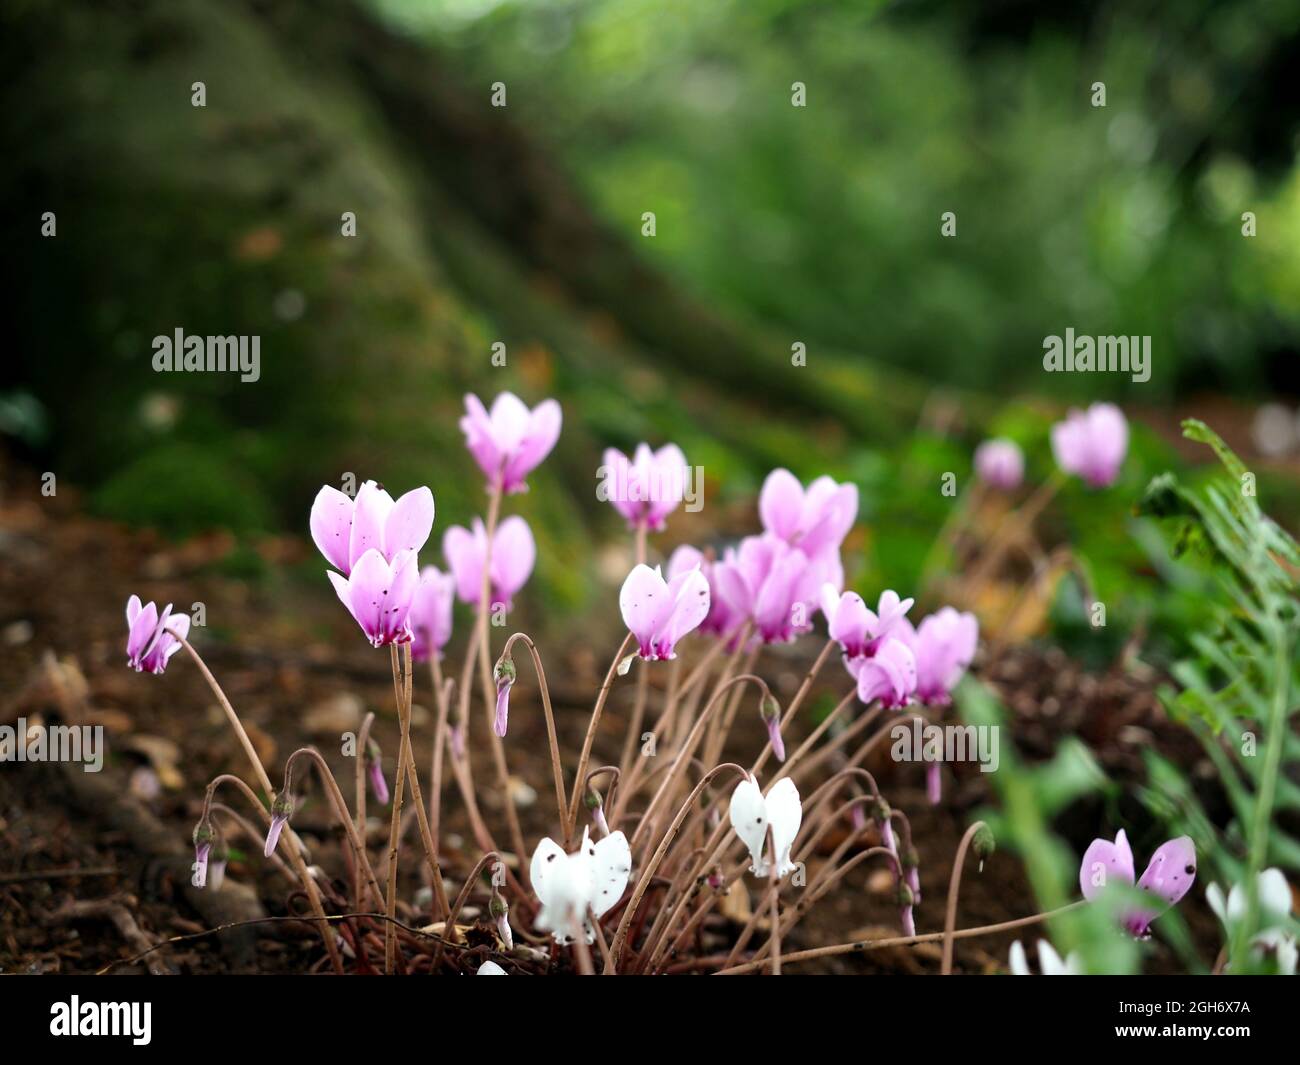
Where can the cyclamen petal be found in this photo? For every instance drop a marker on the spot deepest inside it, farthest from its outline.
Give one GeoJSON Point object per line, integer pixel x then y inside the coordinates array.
{"type": "Point", "coordinates": [1104, 861]}
{"type": "Point", "coordinates": [943, 645]}
{"type": "Point", "coordinates": [658, 612]}
{"type": "Point", "coordinates": [331, 527]}
{"type": "Point", "coordinates": [431, 613]}
{"type": "Point", "coordinates": [344, 529]}
{"type": "Point", "coordinates": [379, 595]}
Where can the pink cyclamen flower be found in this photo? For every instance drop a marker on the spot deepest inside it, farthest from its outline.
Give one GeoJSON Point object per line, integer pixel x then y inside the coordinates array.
{"type": "Point", "coordinates": [771, 584]}
{"type": "Point", "coordinates": [658, 612]}
{"type": "Point", "coordinates": [511, 441]}
{"type": "Point", "coordinates": [858, 629]}
{"type": "Point", "coordinates": [431, 613]}
{"type": "Point", "coordinates": [888, 675]}
{"type": "Point", "coordinates": [943, 646]}
{"type": "Point", "coordinates": [815, 520]}
{"type": "Point", "coordinates": [1168, 877]}
{"type": "Point", "coordinates": [647, 488]}
{"type": "Point", "coordinates": [379, 595]}
{"type": "Point", "coordinates": [1092, 443]}
{"type": "Point", "coordinates": [513, 555]}
{"type": "Point", "coordinates": [345, 529]}
{"type": "Point", "coordinates": [1000, 464]}
{"type": "Point", "coordinates": [151, 637]}
{"type": "Point", "coordinates": [721, 619]}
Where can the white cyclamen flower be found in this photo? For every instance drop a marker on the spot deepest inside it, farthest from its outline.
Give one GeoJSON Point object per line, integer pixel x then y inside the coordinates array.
{"type": "Point", "coordinates": [491, 968]}
{"type": "Point", "coordinates": [1274, 907]}
{"type": "Point", "coordinates": [752, 813]}
{"type": "Point", "coordinates": [1048, 960]}
{"type": "Point", "coordinates": [566, 885]}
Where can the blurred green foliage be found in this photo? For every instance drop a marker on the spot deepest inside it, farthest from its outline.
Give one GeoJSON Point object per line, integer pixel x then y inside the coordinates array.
{"type": "Point", "coordinates": [822, 222]}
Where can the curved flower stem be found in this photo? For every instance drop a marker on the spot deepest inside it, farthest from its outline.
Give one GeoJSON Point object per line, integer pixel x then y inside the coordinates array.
{"type": "Point", "coordinates": [363, 740]}
{"type": "Point", "coordinates": [688, 748]}
{"type": "Point", "coordinates": [798, 699]}
{"type": "Point", "coordinates": [809, 899]}
{"type": "Point", "coordinates": [254, 836]}
{"type": "Point", "coordinates": [449, 927]}
{"type": "Point", "coordinates": [795, 758]}
{"type": "Point", "coordinates": [442, 701]}
{"type": "Point", "coordinates": [259, 770]}
{"type": "Point", "coordinates": [863, 945]}
{"type": "Point", "coordinates": [557, 769]}
{"type": "Point", "coordinates": [295, 847]}
{"type": "Point", "coordinates": [954, 885]}
{"type": "Point", "coordinates": [341, 814]}
{"type": "Point", "coordinates": [403, 681]}
{"type": "Point", "coordinates": [647, 874]}
{"type": "Point", "coordinates": [774, 941]}
{"type": "Point", "coordinates": [572, 820]}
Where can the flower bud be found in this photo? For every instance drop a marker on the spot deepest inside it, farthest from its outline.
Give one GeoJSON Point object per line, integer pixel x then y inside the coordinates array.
{"type": "Point", "coordinates": [204, 837]}
{"type": "Point", "coordinates": [375, 771]}
{"type": "Point", "coordinates": [770, 710]}
{"type": "Point", "coordinates": [983, 844]}
{"type": "Point", "coordinates": [281, 811]}
{"type": "Point", "coordinates": [504, 674]}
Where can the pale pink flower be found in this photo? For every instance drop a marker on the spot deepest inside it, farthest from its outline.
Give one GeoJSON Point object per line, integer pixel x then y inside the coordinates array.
{"type": "Point", "coordinates": [658, 612]}
{"type": "Point", "coordinates": [647, 488]}
{"type": "Point", "coordinates": [1092, 443]}
{"type": "Point", "coordinates": [1000, 464]}
{"type": "Point", "coordinates": [378, 595]}
{"type": "Point", "coordinates": [511, 441]}
{"type": "Point", "coordinates": [1167, 879]}
{"type": "Point", "coordinates": [513, 555]}
{"type": "Point", "coordinates": [345, 529]}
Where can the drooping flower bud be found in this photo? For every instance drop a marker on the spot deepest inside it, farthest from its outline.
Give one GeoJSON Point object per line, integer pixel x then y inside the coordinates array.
{"type": "Point", "coordinates": [983, 844]}
{"type": "Point", "coordinates": [504, 674]}
{"type": "Point", "coordinates": [934, 783]}
{"type": "Point", "coordinates": [501, 918]}
{"type": "Point", "coordinates": [911, 863]}
{"type": "Point", "coordinates": [204, 837]}
{"type": "Point", "coordinates": [595, 804]}
{"type": "Point", "coordinates": [770, 710]}
{"type": "Point", "coordinates": [375, 770]}
{"type": "Point", "coordinates": [281, 811]}
{"type": "Point", "coordinates": [905, 902]}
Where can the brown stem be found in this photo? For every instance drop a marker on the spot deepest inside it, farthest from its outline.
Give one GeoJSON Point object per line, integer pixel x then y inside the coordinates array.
{"type": "Point", "coordinates": [954, 885]}
{"type": "Point", "coordinates": [572, 820]}
{"type": "Point", "coordinates": [863, 945]}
